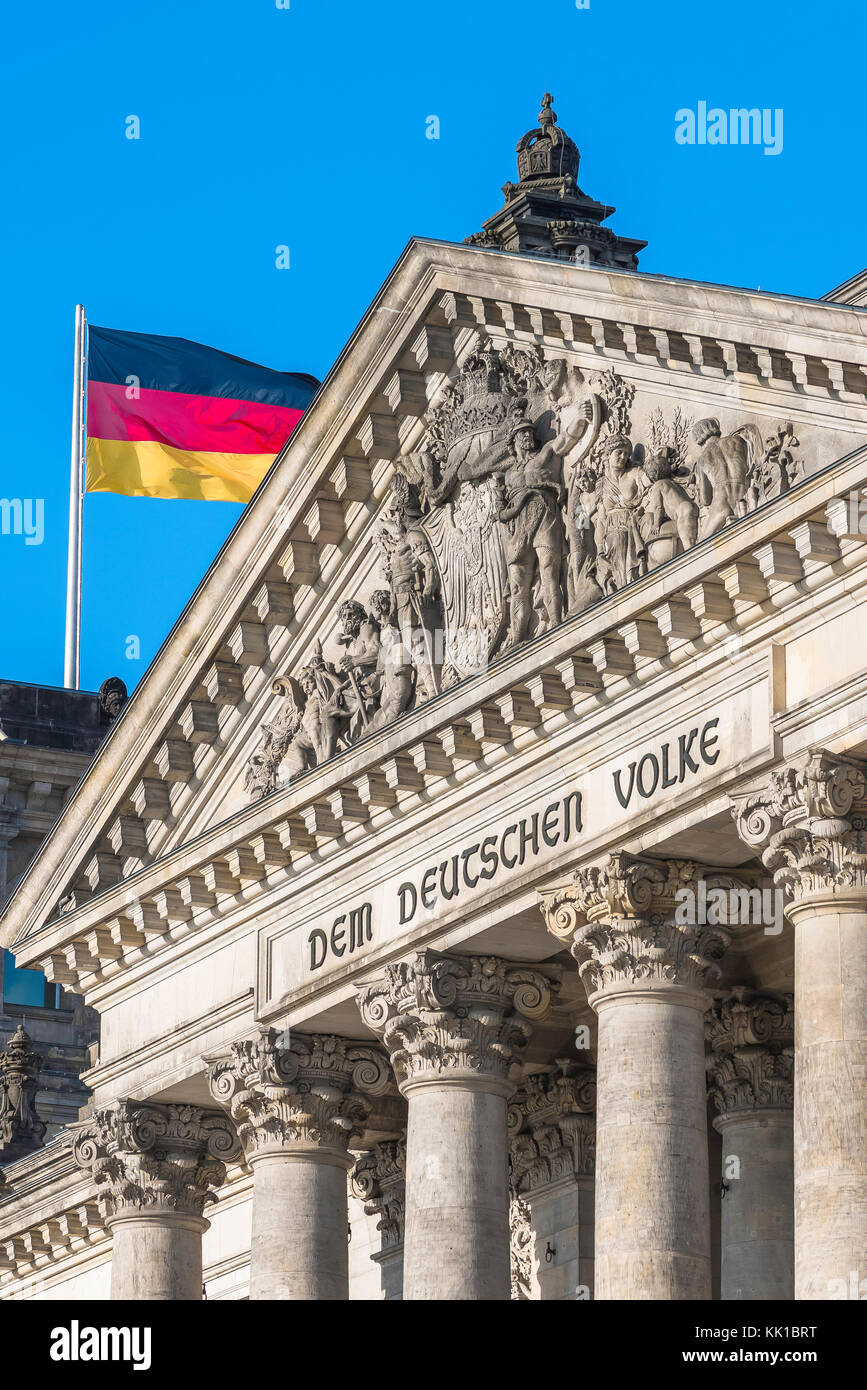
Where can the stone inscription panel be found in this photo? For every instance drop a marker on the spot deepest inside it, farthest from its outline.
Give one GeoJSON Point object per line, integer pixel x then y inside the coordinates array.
{"type": "Point", "coordinates": [353, 928]}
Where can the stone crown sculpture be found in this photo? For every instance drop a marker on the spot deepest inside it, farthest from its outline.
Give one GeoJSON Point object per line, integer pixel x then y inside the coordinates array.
{"type": "Point", "coordinates": [546, 214]}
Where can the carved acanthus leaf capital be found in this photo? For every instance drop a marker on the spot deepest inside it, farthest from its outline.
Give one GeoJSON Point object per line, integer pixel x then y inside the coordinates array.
{"type": "Point", "coordinates": [625, 923]}
{"type": "Point", "coordinates": [545, 1097]}
{"type": "Point", "coordinates": [309, 1091]}
{"type": "Point", "coordinates": [379, 1181]}
{"type": "Point", "coordinates": [809, 823]}
{"type": "Point", "coordinates": [620, 887]}
{"type": "Point", "coordinates": [155, 1158]}
{"type": "Point", "coordinates": [552, 1127]}
{"type": "Point", "coordinates": [456, 1016]}
{"type": "Point", "coordinates": [751, 1060]}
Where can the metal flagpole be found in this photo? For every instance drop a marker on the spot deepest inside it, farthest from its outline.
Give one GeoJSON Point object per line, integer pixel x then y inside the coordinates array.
{"type": "Point", "coordinates": [72, 648]}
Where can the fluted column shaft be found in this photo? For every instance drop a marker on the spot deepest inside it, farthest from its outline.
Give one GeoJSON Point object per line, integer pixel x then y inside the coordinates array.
{"type": "Point", "coordinates": [156, 1168]}
{"type": "Point", "coordinates": [453, 1027]}
{"type": "Point", "coordinates": [809, 824]}
{"type": "Point", "coordinates": [297, 1104]}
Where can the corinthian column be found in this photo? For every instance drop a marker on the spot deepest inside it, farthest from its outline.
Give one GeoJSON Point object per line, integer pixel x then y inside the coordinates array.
{"type": "Point", "coordinates": [156, 1167]}
{"type": "Point", "coordinates": [453, 1026]}
{"type": "Point", "coordinates": [809, 824]}
{"type": "Point", "coordinates": [644, 971]}
{"type": "Point", "coordinates": [750, 1068]}
{"type": "Point", "coordinates": [552, 1125]}
{"type": "Point", "coordinates": [379, 1181]}
{"type": "Point", "coordinates": [296, 1107]}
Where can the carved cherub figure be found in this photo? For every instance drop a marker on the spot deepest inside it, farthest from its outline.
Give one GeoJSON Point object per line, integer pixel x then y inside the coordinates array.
{"type": "Point", "coordinates": [583, 501]}
{"type": "Point", "coordinates": [308, 727]}
{"type": "Point", "coordinates": [665, 499]}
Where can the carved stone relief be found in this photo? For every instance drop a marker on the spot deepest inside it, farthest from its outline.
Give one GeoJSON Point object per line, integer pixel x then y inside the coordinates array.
{"type": "Point", "coordinates": [531, 499]}
{"type": "Point", "coordinates": [751, 1056]}
{"type": "Point", "coordinates": [521, 1247]}
{"type": "Point", "coordinates": [379, 1181]}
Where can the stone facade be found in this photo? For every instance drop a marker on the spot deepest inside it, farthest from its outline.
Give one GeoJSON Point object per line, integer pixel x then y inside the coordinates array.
{"type": "Point", "coordinates": [488, 850]}
{"type": "Point", "coordinates": [47, 739]}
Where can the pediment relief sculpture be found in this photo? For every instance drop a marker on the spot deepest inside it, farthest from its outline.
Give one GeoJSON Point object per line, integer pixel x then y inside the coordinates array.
{"type": "Point", "coordinates": [533, 497]}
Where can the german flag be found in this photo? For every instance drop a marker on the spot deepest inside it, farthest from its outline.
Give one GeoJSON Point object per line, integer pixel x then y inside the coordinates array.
{"type": "Point", "coordinates": [170, 418]}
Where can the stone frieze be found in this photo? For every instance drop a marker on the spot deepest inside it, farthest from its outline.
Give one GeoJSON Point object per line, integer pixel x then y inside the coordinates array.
{"type": "Point", "coordinates": [532, 498]}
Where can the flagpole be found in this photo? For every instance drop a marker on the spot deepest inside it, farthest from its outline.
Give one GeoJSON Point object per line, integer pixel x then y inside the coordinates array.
{"type": "Point", "coordinates": [72, 646]}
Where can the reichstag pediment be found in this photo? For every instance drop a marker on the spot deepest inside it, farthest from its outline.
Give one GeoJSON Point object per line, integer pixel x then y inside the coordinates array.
{"type": "Point", "coordinates": [568, 425]}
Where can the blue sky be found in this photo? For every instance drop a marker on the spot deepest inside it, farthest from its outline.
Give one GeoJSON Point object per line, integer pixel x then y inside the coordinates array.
{"type": "Point", "coordinates": [306, 126]}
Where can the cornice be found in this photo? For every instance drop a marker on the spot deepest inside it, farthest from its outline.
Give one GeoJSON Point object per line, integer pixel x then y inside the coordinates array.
{"type": "Point", "coordinates": [806, 713]}
{"type": "Point", "coordinates": [45, 1170]}
{"type": "Point", "coordinates": [50, 1213]}
{"type": "Point", "coordinates": [63, 766]}
{"type": "Point", "coordinates": [726, 305]}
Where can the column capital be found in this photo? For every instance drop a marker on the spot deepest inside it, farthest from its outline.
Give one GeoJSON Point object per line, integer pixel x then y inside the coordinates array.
{"type": "Point", "coordinates": [809, 823]}
{"type": "Point", "coordinates": [379, 1181]}
{"type": "Point", "coordinates": [301, 1094]}
{"type": "Point", "coordinates": [552, 1128]}
{"type": "Point", "coordinates": [455, 1018]}
{"type": "Point", "coordinates": [150, 1159]}
{"type": "Point", "coordinates": [752, 1056]}
{"type": "Point", "coordinates": [634, 922]}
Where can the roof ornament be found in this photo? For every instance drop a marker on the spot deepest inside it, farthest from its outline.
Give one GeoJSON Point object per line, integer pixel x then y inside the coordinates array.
{"type": "Point", "coordinates": [21, 1129]}
{"type": "Point", "coordinates": [111, 699]}
{"type": "Point", "coordinates": [546, 213]}
{"type": "Point", "coordinates": [548, 122]}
